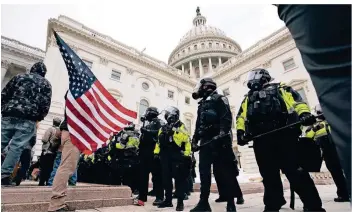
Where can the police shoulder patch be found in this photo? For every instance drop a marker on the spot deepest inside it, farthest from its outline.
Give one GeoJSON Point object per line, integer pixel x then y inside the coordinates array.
{"type": "Point", "coordinates": [225, 100]}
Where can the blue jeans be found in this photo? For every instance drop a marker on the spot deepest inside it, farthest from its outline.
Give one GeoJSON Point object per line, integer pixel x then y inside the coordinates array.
{"type": "Point", "coordinates": [19, 132]}
{"type": "Point", "coordinates": [71, 181]}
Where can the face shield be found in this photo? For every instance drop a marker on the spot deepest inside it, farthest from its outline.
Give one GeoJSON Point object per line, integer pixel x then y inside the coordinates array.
{"type": "Point", "coordinates": [171, 114]}
{"type": "Point", "coordinates": [195, 93]}
{"type": "Point", "coordinates": [255, 75]}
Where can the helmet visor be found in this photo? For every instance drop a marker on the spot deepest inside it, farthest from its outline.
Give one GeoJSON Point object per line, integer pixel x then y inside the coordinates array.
{"type": "Point", "coordinates": [170, 110]}
{"type": "Point", "coordinates": [255, 75]}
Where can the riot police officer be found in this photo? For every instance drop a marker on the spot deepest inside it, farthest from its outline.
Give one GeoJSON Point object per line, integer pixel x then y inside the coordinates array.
{"type": "Point", "coordinates": [175, 162]}
{"type": "Point", "coordinates": [320, 132]}
{"type": "Point", "coordinates": [100, 169]}
{"type": "Point", "coordinates": [148, 139]}
{"type": "Point", "coordinates": [214, 121]}
{"type": "Point", "coordinates": [267, 107]}
{"type": "Point", "coordinates": [123, 154]}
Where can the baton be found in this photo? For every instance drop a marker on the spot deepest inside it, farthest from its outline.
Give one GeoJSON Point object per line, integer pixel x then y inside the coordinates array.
{"type": "Point", "coordinates": [276, 130]}
{"type": "Point", "coordinates": [213, 139]}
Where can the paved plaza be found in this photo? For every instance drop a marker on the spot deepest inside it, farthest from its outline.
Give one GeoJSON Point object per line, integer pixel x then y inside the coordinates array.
{"type": "Point", "coordinates": [253, 202]}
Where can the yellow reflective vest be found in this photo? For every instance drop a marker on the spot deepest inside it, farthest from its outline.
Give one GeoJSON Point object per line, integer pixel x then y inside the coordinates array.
{"type": "Point", "coordinates": [292, 106]}
{"type": "Point", "coordinates": [133, 142]}
{"type": "Point", "coordinates": [180, 136]}
{"type": "Point", "coordinates": [321, 125]}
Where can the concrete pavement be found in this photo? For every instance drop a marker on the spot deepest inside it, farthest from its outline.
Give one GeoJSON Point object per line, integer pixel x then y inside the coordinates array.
{"type": "Point", "coordinates": [253, 203]}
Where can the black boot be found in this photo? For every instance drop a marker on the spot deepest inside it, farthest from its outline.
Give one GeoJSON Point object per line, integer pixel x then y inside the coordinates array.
{"type": "Point", "coordinates": [157, 202]}
{"type": "Point", "coordinates": [151, 193]}
{"type": "Point", "coordinates": [342, 199]}
{"type": "Point", "coordinates": [166, 204]}
{"type": "Point", "coordinates": [220, 199]}
{"type": "Point", "coordinates": [231, 207]}
{"type": "Point", "coordinates": [240, 200]}
{"type": "Point", "coordinates": [6, 181]}
{"type": "Point", "coordinates": [202, 206]}
{"type": "Point", "coordinates": [180, 205]}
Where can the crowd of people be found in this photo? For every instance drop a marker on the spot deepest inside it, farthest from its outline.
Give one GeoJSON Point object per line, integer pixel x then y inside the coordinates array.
{"type": "Point", "coordinates": [166, 149]}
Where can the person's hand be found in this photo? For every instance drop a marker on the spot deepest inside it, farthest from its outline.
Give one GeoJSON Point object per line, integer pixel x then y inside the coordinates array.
{"type": "Point", "coordinates": [307, 119]}
{"type": "Point", "coordinates": [156, 157]}
{"type": "Point", "coordinates": [318, 127]}
{"type": "Point", "coordinates": [195, 147]}
{"type": "Point", "coordinates": [240, 138]}
{"type": "Point", "coordinates": [143, 130]}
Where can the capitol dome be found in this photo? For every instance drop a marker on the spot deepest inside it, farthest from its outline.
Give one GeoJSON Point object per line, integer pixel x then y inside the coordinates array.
{"type": "Point", "coordinates": [202, 49]}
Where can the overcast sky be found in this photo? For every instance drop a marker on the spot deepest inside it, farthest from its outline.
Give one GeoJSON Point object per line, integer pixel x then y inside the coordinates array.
{"type": "Point", "coordinates": [157, 27]}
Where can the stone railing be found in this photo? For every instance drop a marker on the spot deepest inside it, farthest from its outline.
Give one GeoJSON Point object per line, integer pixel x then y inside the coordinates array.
{"type": "Point", "coordinates": [21, 46]}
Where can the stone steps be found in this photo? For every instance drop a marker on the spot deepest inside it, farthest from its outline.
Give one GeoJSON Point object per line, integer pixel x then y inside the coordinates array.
{"type": "Point", "coordinates": [34, 198]}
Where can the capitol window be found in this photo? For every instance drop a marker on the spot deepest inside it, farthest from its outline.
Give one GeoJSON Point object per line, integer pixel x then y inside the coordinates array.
{"type": "Point", "coordinates": [88, 63]}
{"type": "Point", "coordinates": [145, 86]}
{"type": "Point", "coordinates": [187, 100]}
{"type": "Point", "coordinates": [224, 45]}
{"type": "Point", "coordinates": [289, 64]}
{"type": "Point", "coordinates": [183, 51]}
{"type": "Point", "coordinates": [226, 92]}
{"type": "Point", "coordinates": [210, 45]}
{"type": "Point", "coordinates": [195, 47]}
{"type": "Point", "coordinates": [217, 45]}
{"type": "Point", "coordinates": [189, 49]}
{"type": "Point", "coordinates": [230, 47]}
{"type": "Point", "coordinates": [115, 75]}
{"type": "Point", "coordinates": [203, 45]}
{"type": "Point", "coordinates": [170, 94]}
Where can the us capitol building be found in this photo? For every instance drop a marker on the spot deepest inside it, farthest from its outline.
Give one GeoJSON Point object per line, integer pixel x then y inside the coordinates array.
{"type": "Point", "coordinates": [139, 81]}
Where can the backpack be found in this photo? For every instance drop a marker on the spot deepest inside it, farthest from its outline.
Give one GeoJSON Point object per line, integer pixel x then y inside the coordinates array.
{"type": "Point", "coordinates": [55, 140]}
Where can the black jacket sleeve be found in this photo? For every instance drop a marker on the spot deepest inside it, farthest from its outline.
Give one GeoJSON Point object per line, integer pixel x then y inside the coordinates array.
{"type": "Point", "coordinates": [225, 115]}
{"type": "Point", "coordinates": [196, 130]}
{"type": "Point", "coordinates": [7, 91]}
{"type": "Point", "coordinates": [45, 104]}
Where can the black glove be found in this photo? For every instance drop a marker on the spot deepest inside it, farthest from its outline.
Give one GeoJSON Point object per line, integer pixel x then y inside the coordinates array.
{"type": "Point", "coordinates": [307, 119]}
{"type": "Point", "coordinates": [156, 157]}
{"type": "Point", "coordinates": [143, 130]}
{"type": "Point", "coordinates": [240, 138]}
{"type": "Point", "coordinates": [318, 127]}
{"type": "Point", "coordinates": [195, 147]}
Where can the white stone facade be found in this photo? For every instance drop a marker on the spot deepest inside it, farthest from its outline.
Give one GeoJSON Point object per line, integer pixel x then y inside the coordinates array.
{"type": "Point", "coordinates": [138, 80]}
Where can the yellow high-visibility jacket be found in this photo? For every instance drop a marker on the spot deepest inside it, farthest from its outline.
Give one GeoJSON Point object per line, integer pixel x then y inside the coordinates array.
{"type": "Point", "coordinates": [292, 102]}
{"type": "Point", "coordinates": [133, 142]}
{"type": "Point", "coordinates": [180, 136]}
{"type": "Point", "coordinates": [316, 134]}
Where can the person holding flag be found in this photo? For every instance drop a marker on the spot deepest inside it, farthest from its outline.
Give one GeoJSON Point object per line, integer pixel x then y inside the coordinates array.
{"type": "Point", "coordinates": [91, 114]}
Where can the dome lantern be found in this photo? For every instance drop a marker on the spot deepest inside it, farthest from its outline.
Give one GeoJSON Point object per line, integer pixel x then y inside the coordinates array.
{"type": "Point", "coordinates": [199, 19]}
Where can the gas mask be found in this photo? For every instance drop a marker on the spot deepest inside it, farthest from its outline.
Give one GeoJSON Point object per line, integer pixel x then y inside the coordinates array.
{"type": "Point", "coordinates": [204, 88]}
{"type": "Point", "coordinates": [172, 115]}
{"type": "Point", "coordinates": [257, 78]}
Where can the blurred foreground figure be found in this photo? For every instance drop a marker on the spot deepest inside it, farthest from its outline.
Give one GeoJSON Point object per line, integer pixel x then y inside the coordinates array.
{"type": "Point", "coordinates": [323, 36]}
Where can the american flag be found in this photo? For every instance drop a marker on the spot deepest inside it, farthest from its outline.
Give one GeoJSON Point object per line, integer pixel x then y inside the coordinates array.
{"type": "Point", "coordinates": [92, 113]}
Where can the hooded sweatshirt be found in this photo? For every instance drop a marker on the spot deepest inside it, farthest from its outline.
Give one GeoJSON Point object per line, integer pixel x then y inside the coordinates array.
{"type": "Point", "coordinates": [27, 96]}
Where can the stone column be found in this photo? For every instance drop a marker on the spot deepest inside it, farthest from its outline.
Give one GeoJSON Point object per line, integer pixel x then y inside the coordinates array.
{"type": "Point", "coordinates": [4, 67]}
{"type": "Point", "coordinates": [201, 72]}
{"type": "Point", "coordinates": [210, 66]}
{"type": "Point", "coordinates": [191, 71]}
{"type": "Point", "coordinates": [183, 68]}
{"type": "Point", "coordinates": [219, 60]}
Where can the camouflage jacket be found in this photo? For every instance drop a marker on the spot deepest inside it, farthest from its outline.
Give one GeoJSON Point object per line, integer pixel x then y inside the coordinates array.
{"type": "Point", "coordinates": [27, 96]}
